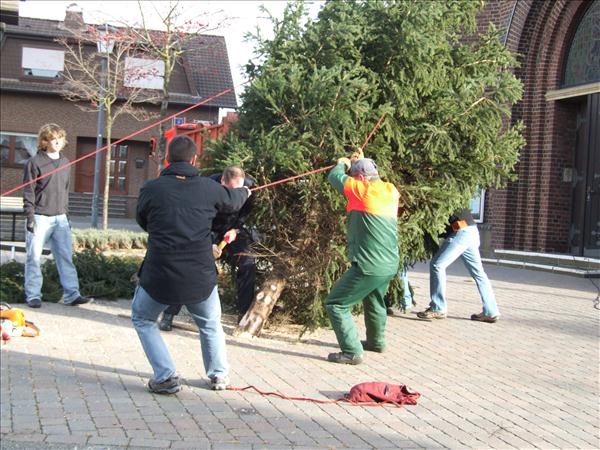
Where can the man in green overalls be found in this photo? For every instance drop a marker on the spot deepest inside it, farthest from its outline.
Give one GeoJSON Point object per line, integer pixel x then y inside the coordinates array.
{"type": "Point", "coordinates": [373, 251]}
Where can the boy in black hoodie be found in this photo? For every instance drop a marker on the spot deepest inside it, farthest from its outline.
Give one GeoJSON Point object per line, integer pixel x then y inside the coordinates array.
{"type": "Point", "coordinates": [46, 202]}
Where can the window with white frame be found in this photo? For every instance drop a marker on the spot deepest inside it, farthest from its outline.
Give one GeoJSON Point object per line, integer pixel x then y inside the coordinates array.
{"type": "Point", "coordinates": [144, 73]}
{"type": "Point", "coordinates": [476, 205]}
{"type": "Point", "coordinates": [16, 148]}
{"type": "Point", "coordinates": [42, 62]}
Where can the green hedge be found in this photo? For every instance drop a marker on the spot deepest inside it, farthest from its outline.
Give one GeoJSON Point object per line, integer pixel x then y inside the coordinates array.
{"type": "Point", "coordinates": [108, 277]}
{"type": "Point", "coordinates": [90, 238]}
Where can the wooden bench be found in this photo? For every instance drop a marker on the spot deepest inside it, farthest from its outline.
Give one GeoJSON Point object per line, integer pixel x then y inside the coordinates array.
{"type": "Point", "coordinates": [12, 219]}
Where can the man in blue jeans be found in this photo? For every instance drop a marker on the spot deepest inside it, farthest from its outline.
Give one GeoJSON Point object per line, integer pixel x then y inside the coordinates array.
{"type": "Point", "coordinates": [45, 203]}
{"type": "Point", "coordinates": [462, 240]}
{"type": "Point", "coordinates": [177, 210]}
{"type": "Point", "coordinates": [406, 302]}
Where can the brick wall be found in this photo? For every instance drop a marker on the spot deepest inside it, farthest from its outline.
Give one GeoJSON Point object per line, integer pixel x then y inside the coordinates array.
{"type": "Point", "coordinates": [534, 213]}
{"type": "Point", "coordinates": [25, 113]}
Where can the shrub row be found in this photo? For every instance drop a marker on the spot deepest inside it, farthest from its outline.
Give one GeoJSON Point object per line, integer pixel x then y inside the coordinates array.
{"type": "Point", "coordinates": [90, 238]}
{"type": "Point", "coordinates": [103, 276]}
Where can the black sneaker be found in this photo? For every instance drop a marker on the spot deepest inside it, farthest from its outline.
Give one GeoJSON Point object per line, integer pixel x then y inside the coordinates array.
{"type": "Point", "coordinates": [34, 303]}
{"type": "Point", "coordinates": [370, 348]}
{"type": "Point", "coordinates": [169, 386]}
{"type": "Point", "coordinates": [166, 323]}
{"type": "Point", "coordinates": [80, 301]}
{"type": "Point", "coordinates": [345, 358]}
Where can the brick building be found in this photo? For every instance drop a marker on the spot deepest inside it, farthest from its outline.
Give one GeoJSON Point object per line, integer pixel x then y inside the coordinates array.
{"type": "Point", "coordinates": [30, 96]}
{"type": "Point", "coordinates": [554, 206]}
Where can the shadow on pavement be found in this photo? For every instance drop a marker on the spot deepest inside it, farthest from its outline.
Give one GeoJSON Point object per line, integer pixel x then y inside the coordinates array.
{"type": "Point", "coordinates": [521, 276]}
{"type": "Point", "coordinates": [270, 350]}
{"type": "Point", "coordinates": [203, 403]}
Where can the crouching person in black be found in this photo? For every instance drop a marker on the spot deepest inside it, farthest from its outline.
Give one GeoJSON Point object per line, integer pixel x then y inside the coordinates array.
{"type": "Point", "coordinates": [177, 210]}
{"type": "Point", "coordinates": [238, 252]}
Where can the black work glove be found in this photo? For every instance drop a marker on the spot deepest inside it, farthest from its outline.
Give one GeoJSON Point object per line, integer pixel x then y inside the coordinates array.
{"type": "Point", "coordinates": [31, 225]}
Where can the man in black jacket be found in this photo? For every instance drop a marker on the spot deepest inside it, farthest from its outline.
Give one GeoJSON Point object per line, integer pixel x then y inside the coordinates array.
{"type": "Point", "coordinates": [177, 210]}
{"type": "Point", "coordinates": [238, 252]}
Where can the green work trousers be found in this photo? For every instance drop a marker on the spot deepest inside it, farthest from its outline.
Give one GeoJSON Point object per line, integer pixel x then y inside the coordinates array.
{"type": "Point", "coordinates": [353, 287]}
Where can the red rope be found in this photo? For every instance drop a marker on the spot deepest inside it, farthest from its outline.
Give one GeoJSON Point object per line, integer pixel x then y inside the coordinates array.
{"type": "Point", "coordinates": [372, 132]}
{"type": "Point", "coordinates": [274, 183]}
{"type": "Point", "coordinates": [89, 155]}
{"type": "Point", "coordinates": [315, 400]}
{"type": "Point", "coordinates": [285, 180]}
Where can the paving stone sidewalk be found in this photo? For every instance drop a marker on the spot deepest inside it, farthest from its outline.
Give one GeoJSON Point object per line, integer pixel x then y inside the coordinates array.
{"type": "Point", "coordinates": [528, 381]}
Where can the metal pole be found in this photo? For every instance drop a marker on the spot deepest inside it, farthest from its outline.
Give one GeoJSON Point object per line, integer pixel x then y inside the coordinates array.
{"type": "Point", "coordinates": [98, 160]}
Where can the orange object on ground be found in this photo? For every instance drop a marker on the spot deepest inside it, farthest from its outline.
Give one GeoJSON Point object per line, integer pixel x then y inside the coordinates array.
{"type": "Point", "coordinates": [15, 315]}
{"type": "Point", "coordinates": [17, 318]}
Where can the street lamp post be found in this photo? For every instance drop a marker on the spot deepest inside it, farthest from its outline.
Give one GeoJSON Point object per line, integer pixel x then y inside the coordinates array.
{"type": "Point", "coordinates": [105, 47]}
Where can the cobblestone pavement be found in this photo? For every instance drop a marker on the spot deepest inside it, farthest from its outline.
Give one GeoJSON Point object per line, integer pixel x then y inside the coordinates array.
{"type": "Point", "coordinates": [528, 381]}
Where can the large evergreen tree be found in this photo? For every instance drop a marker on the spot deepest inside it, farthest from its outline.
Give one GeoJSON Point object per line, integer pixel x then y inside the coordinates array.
{"type": "Point", "coordinates": [317, 93]}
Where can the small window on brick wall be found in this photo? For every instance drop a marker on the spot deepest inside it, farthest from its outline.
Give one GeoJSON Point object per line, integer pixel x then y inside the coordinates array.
{"type": "Point", "coordinates": [476, 205]}
{"type": "Point", "coordinates": [16, 148]}
{"type": "Point", "coordinates": [42, 62]}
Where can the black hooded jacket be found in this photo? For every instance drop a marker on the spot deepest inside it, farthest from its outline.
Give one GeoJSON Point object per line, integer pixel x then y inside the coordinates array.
{"type": "Point", "coordinates": [177, 210]}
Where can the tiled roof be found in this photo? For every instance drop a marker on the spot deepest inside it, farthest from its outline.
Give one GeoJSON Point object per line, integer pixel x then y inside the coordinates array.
{"type": "Point", "coordinates": [208, 65]}
{"type": "Point", "coordinates": [206, 62]}
{"type": "Point", "coordinates": [38, 27]}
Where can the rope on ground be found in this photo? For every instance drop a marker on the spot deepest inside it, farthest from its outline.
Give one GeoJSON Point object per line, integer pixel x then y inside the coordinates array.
{"type": "Point", "coordinates": [315, 400]}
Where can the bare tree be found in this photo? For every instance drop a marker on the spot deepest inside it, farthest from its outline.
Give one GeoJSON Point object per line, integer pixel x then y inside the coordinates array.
{"type": "Point", "coordinates": [177, 37]}
{"type": "Point", "coordinates": [114, 87]}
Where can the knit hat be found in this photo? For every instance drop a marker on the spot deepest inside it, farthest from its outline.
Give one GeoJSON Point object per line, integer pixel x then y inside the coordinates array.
{"type": "Point", "coordinates": [365, 167]}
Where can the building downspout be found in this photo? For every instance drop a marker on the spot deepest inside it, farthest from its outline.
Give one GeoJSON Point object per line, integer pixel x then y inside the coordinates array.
{"type": "Point", "coordinates": [510, 20]}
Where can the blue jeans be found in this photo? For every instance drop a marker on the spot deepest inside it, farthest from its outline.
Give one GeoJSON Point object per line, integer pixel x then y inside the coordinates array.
{"type": "Point", "coordinates": [407, 299]}
{"type": "Point", "coordinates": [57, 230]}
{"type": "Point", "coordinates": [207, 315]}
{"type": "Point", "coordinates": [463, 243]}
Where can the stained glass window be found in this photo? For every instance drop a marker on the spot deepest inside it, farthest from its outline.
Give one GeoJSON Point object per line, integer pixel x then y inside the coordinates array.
{"type": "Point", "coordinates": [583, 61]}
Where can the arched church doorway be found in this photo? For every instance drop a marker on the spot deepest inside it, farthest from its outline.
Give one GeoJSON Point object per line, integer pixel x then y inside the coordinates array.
{"type": "Point", "coordinates": [581, 92]}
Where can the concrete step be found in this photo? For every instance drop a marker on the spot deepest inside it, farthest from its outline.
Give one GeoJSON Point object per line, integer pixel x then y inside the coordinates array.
{"type": "Point", "coordinates": [87, 207]}
{"type": "Point", "coordinates": [554, 259]}
{"type": "Point", "coordinates": [80, 204]}
{"type": "Point", "coordinates": [86, 212]}
{"type": "Point", "coordinates": [547, 262]}
{"type": "Point", "coordinates": [6, 228]}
